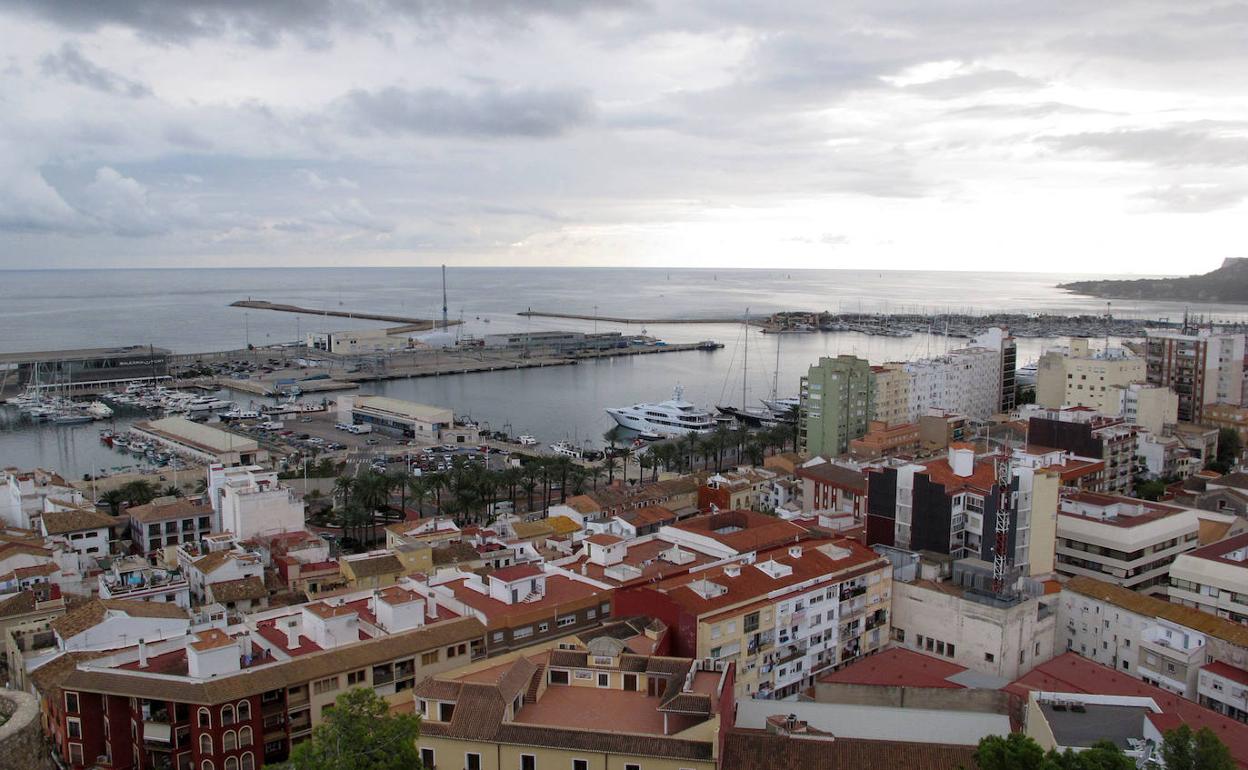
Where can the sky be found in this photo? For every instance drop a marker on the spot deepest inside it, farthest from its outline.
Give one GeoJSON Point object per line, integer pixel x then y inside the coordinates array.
{"type": "Point", "coordinates": [1055, 136]}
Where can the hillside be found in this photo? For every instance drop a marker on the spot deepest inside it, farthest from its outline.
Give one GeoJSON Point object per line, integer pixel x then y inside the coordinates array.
{"type": "Point", "coordinates": [1228, 283]}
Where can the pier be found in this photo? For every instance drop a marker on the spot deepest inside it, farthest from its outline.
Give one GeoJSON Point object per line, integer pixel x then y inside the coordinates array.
{"type": "Point", "coordinates": [406, 324]}
{"type": "Point", "coordinates": [621, 320]}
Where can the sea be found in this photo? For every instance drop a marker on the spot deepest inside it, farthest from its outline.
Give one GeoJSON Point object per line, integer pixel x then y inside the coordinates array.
{"type": "Point", "coordinates": [188, 310]}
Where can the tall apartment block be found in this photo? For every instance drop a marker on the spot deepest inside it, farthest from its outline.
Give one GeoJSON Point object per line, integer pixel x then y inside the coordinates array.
{"type": "Point", "coordinates": [1201, 366]}
{"type": "Point", "coordinates": [837, 405]}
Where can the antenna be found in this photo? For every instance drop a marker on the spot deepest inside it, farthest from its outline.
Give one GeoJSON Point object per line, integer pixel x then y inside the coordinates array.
{"type": "Point", "coordinates": [1109, 323]}
{"type": "Point", "coordinates": [1002, 529]}
{"type": "Point", "coordinates": [445, 323]}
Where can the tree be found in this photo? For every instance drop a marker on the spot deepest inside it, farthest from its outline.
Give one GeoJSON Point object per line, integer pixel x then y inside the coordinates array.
{"type": "Point", "coordinates": [1182, 749]}
{"type": "Point", "coordinates": [171, 491]}
{"type": "Point", "coordinates": [1229, 449]}
{"type": "Point", "coordinates": [611, 465]}
{"type": "Point", "coordinates": [360, 733]}
{"type": "Point", "coordinates": [113, 498]}
{"type": "Point", "coordinates": [1012, 752]}
{"type": "Point", "coordinates": [418, 490]}
{"type": "Point", "coordinates": [139, 492]}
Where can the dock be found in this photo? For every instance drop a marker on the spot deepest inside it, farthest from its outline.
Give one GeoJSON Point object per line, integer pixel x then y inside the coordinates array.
{"type": "Point", "coordinates": [407, 324]}
{"type": "Point", "coordinates": [621, 320]}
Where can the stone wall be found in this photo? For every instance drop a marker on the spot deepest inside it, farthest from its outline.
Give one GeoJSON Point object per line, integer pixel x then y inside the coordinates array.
{"type": "Point", "coordinates": [22, 746]}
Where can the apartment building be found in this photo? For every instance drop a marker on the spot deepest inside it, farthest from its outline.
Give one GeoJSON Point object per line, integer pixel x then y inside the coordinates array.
{"type": "Point", "coordinates": [949, 506]}
{"type": "Point", "coordinates": [1214, 579]}
{"type": "Point", "coordinates": [132, 577]}
{"type": "Point", "coordinates": [237, 697]}
{"type": "Point", "coordinates": [939, 428]}
{"type": "Point", "coordinates": [1087, 433]}
{"type": "Point", "coordinates": [891, 383]}
{"type": "Point", "coordinates": [170, 521]}
{"type": "Point", "coordinates": [1162, 643]}
{"type": "Point", "coordinates": [966, 381]}
{"type": "Point", "coordinates": [1076, 375]}
{"type": "Point", "coordinates": [837, 404]}
{"type": "Point", "coordinates": [23, 495]}
{"type": "Point", "coordinates": [1123, 540]}
{"type": "Point", "coordinates": [519, 605]}
{"type": "Point", "coordinates": [949, 610]}
{"type": "Point", "coordinates": [594, 706]}
{"type": "Point", "coordinates": [883, 440]}
{"type": "Point", "coordinates": [250, 502]}
{"type": "Point", "coordinates": [1202, 367]}
{"type": "Point", "coordinates": [829, 486]}
{"type": "Point", "coordinates": [782, 615]}
{"type": "Point", "coordinates": [1152, 407]}
{"type": "Point", "coordinates": [1231, 416]}
{"type": "Point", "coordinates": [998, 338]}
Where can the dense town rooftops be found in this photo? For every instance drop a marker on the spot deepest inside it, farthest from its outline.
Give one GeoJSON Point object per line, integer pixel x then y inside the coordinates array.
{"type": "Point", "coordinates": [645, 558]}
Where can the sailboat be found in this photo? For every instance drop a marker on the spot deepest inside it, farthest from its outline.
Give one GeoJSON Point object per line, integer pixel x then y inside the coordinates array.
{"type": "Point", "coordinates": [745, 414]}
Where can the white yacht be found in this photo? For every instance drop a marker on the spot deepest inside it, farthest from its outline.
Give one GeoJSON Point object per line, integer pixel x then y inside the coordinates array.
{"type": "Point", "coordinates": [567, 449]}
{"type": "Point", "coordinates": [781, 407]}
{"type": "Point", "coordinates": [675, 417]}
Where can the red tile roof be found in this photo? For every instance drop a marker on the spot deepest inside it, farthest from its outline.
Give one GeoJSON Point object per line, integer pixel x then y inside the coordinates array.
{"type": "Point", "coordinates": [753, 531]}
{"type": "Point", "coordinates": [1227, 671]}
{"type": "Point", "coordinates": [898, 667]}
{"type": "Point", "coordinates": [983, 476]}
{"type": "Point", "coordinates": [1217, 551]}
{"type": "Point", "coordinates": [517, 572]}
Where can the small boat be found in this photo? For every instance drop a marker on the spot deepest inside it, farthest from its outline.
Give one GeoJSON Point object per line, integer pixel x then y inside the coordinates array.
{"type": "Point", "coordinates": [71, 418]}
{"type": "Point", "coordinates": [99, 410]}
{"type": "Point", "coordinates": [566, 449]}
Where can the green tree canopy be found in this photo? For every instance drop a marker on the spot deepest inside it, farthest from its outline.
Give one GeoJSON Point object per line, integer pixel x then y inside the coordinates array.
{"type": "Point", "coordinates": [1182, 749]}
{"type": "Point", "coordinates": [360, 733]}
{"type": "Point", "coordinates": [1019, 752]}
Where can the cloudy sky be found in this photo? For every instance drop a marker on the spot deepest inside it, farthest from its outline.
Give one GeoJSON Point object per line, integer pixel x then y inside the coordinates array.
{"type": "Point", "coordinates": [1060, 135]}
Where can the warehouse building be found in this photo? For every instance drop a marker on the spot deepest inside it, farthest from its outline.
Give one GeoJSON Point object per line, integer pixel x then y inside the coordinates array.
{"type": "Point", "coordinates": [397, 417]}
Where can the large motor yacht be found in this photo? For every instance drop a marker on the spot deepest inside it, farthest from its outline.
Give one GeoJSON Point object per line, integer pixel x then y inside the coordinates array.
{"type": "Point", "coordinates": [675, 417]}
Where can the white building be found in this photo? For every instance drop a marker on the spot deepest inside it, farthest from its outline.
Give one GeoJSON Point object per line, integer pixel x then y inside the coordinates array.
{"type": "Point", "coordinates": [222, 565]}
{"type": "Point", "coordinates": [1201, 366]}
{"type": "Point", "coordinates": [250, 502]}
{"type": "Point", "coordinates": [84, 531]}
{"type": "Point", "coordinates": [24, 493]}
{"type": "Point", "coordinates": [967, 381]}
{"type": "Point", "coordinates": [201, 443]}
{"type": "Point", "coordinates": [1214, 578]}
{"type": "Point", "coordinates": [132, 577]}
{"type": "Point", "coordinates": [396, 416]}
{"type": "Point", "coordinates": [1122, 540]}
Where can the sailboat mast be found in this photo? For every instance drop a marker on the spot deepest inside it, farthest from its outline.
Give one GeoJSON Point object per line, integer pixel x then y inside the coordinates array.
{"type": "Point", "coordinates": [745, 359]}
{"type": "Point", "coordinates": [775, 377]}
{"type": "Point", "coordinates": [445, 321]}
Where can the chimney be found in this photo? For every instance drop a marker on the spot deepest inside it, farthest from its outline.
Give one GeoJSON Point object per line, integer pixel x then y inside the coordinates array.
{"type": "Point", "coordinates": [962, 459]}
{"type": "Point", "coordinates": [292, 634]}
{"type": "Point", "coordinates": [431, 605]}
{"type": "Point", "coordinates": [795, 551]}
{"type": "Point", "coordinates": [142, 654]}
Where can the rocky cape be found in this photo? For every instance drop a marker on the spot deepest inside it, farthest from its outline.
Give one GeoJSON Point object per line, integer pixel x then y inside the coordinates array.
{"type": "Point", "coordinates": [1229, 283]}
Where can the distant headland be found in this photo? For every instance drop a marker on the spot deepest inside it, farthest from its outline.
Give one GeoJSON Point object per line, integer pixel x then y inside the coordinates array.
{"type": "Point", "coordinates": [1229, 283]}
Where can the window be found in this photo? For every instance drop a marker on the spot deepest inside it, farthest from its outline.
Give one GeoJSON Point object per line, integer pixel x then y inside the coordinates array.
{"type": "Point", "coordinates": [206, 764]}
{"type": "Point", "coordinates": [751, 622]}
{"type": "Point", "coordinates": [429, 658]}
{"type": "Point", "coordinates": [248, 762]}
{"type": "Point", "coordinates": [528, 762]}
{"type": "Point", "coordinates": [203, 718]}
{"type": "Point", "coordinates": [949, 650]}
{"type": "Point", "coordinates": [446, 711]}
{"type": "Point", "coordinates": [325, 685]}
{"type": "Point", "coordinates": [229, 741]}
{"type": "Point", "coordinates": [74, 728]}
{"type": "Point", "coordinates": [227, 715]}
{"type": "Point", "coordinates": [604, 680]}
{"type": "Point", "coordinates": [244, 737]}
{"type": "Point", "coordinates": [75, 753]}
{"type": "Point", "coordinates": [355, 677]}
{"type": "Point", "coordinates": [566, 620]}
{"type": "Point", "coordinates": [472, 761]}
{"type": "Point", "coordinates": [71, 703]}
{"type": "Point", "coordinates": [543, 628]}
{"type": "Point", "coordinates": [632, 767]}
{"type": "Point", "coordinates": [521, 633]}
{"type": "Point", "coordinates": [244, 711]}
{"type": "Point", "coordinates": [426, 758]}
{"type": "Point", "coordinates": [231, 763]}
{"type": "Point", "coordinates": [205, 743]}
{"type": "Point", "coordinates": [989, 657]}
{"type": "Point", "coordinates": [498, 636]}
{"type": "Point", "coordinates": [580, 764]}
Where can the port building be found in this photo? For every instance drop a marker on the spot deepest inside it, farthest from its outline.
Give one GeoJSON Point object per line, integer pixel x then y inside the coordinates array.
{"type": "Point", "coordinates": [395, 416]}
{"type": "Point", "coordinates": [201, 443]}
{"type": "Point", "coordinates": [85, 369]}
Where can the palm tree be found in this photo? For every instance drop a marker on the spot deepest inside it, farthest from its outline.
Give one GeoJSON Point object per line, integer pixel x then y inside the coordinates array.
{"type": "Point", "coordinates": [614, 436]}
{"type": "Point", "coordinates": [113, 498]}
{"type": "Point", "coordinates": [201, 486]}
{"type": "Point", "coordinates": [596, 472]}
{"type": "Point", "coordinates": [611, 465]}
{"type": "Point", "coordinates": [686, 447]}
{"type": "Point", "coordinates": [755, 452]}
{"type": "Point", "coordinates": [718, 442]}
{"type": "Point", "coordinates": [563, 465]}
{"type": "Point", "coordinates": [398, 480]}
{"type": "Point", "coordinates": [171, 491]}
{"type": "Point", "coordinates": [648, 461]}
{"type": "Point", "coordinates": [529, 475]}
{"type": "Point", "coordinates": [579, 475]}
{"type": "Point", "coordinates": [625, 454]}
{"type": "Point", "coordinates": [342, 489]}
{"type": "Point", "coordinates": [418, 490]}
{"type": "Point", "coordinates": [139, 492]}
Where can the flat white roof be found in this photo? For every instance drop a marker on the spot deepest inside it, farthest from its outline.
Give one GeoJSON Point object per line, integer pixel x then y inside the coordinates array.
{"type": "Point", "coordinates": [407, 409]}
{"type": "Point", "coordinates": [204, 436]}
{"type": "Point", "coordinates": [880, 723]}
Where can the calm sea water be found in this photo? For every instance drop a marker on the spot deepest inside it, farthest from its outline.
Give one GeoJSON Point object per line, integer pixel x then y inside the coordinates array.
{"type": "Point", "coordinates": [188, 311]}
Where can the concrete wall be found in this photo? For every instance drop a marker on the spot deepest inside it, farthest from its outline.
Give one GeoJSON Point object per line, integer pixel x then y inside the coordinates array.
{"type": "Point", "coordinates": [942, 699]}
{"type": "Point", "coordinates": [22, 746]}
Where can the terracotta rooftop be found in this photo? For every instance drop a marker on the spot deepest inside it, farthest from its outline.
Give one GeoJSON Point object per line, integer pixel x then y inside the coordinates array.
{"type": "Point", "coordinates": [180, 508]}
{"type": "Point", "coordinates": [604, 539]}
{"type": "Point", "coordinates": [77, 519]}
{"type": "Point", "coordinates": [1218, 551]}
{"type": "Point", "coordinates": [211, 639]}
{"type": "Point", "coordinates": [898, 667]}
{"type": "Point", "coordinates": [760, 750]}
{"type": "Point", "coordinates": [516, 572]}
{"type": "Point", "coordinates": [93, 612]}
{"type": "Point", "coordinates": [836, 475]}
{"type": "Point", "coordinates": [743, 531]}
{"type": "Point", "coordinates": [982, 478]}
{"type": "Point", "coordinates": [1151, 606]}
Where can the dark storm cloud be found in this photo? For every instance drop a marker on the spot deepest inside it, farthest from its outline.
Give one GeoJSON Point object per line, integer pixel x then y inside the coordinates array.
{"type": "Point", "coordinates": [489, 113]}
{"type": "Point", "coordinates": [70, 64]}
{"type": "Point", "coordinates": [263, 22]}
{"type": "Point", "coordinates": [1176, 146]}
